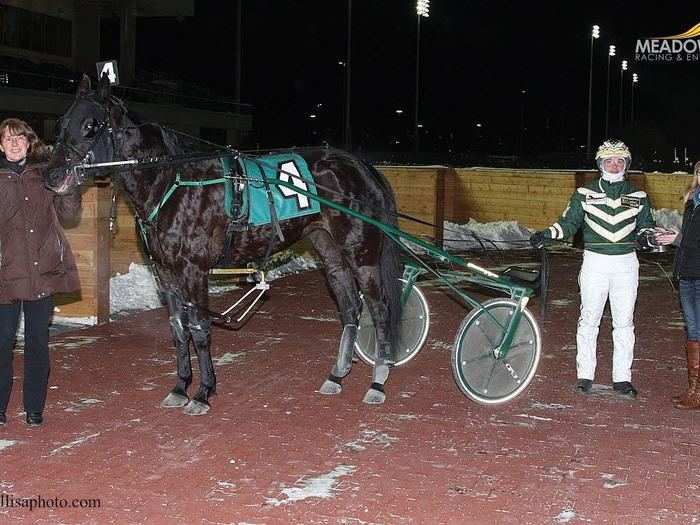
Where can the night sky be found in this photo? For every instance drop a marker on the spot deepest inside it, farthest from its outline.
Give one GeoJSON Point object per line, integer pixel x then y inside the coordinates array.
{"type": "Point", "coordinates": [476, 57]}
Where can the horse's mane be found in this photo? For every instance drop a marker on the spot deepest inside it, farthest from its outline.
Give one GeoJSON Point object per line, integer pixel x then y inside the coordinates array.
{"type": "Point", "coordinates": [175, 142]}
{"type": "Point", "coordinates": [178, 143]}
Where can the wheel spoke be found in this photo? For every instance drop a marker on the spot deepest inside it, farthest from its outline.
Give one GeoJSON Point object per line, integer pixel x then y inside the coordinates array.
{"type": "Point", "coordinates": [518, 349]}
{"type": "Point", "coordinates": [491, 342]}
{"type": "Point", "coordinates": [489, 376]}
{"type": "Point", "coordinates": [476, 358]}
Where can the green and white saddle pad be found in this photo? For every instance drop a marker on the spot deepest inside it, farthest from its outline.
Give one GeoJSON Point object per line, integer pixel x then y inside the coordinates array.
{"type": "Point", "coordinates": [289, 204]}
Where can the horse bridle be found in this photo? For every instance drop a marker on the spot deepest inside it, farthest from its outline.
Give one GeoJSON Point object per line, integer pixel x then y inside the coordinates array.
{"type": "Point", "coordinates": [87, 157]}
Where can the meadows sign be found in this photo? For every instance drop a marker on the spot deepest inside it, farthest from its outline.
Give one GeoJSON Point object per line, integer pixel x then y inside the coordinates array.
{"type": "Point", "coordinates": [684, 47]}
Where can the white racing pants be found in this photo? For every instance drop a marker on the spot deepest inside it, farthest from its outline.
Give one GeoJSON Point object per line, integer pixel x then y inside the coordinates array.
{"type": "Point", "coordinates": [602, 277]}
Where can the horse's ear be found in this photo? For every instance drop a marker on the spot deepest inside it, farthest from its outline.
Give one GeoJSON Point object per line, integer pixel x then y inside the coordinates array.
{"type": "Point", "coordinates": [104, 88]}
{"type": "Point", "coordinates": [85, 86]}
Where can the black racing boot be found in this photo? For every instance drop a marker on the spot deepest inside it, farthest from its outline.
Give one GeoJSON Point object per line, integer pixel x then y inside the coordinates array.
{"type": "Point", "coordinates": [625, 388]}
{"type": "Point", "coordinates": [583, 386]}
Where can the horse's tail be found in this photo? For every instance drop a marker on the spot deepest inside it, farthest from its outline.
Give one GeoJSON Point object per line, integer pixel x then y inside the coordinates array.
{"type": "Point", "coordinates": [390, 266]}
{"type": "Point", "coordinates": [391, 271]}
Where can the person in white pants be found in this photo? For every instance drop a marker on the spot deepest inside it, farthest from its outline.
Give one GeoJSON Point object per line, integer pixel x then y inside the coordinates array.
{"type": "Point", "coordinates": [616, 219]}
{"type": "Point", "coordinates": [602, 277]}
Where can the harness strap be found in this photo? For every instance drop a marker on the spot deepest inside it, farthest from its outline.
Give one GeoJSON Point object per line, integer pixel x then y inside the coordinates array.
{"type": "Point", "coordinates": [271, 203]}
{"type": "Point", "coordinates": [113, 225]}
{"type": "Point", "coordinates": [229, 204]}
{"type": "Point", "coordinates": [179, 182]}
{"type": "Point", "coordinates": [275, 224]}
{"type": "Point", "coordinates": [234, 206]}
{"type": "Point", "coordinates": [233, 200]}
{"type": "Point", "coordinates": [144, 234]}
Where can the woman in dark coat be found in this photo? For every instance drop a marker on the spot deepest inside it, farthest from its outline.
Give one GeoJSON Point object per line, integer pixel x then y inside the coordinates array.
{"type": "Point", "coordinates": [35, 261]}
{"type": "Point", "coordinates": [686, 268]}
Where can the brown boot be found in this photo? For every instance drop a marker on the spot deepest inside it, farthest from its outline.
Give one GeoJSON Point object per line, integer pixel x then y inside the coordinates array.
{"type": "Point", "coordinates": [692, 350]}
{"type": "Point", "coordinates": [691, 399]}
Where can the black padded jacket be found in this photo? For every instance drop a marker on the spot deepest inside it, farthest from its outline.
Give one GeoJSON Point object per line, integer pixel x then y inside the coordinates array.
{"type": "Point", "coordinates": [686, 264]}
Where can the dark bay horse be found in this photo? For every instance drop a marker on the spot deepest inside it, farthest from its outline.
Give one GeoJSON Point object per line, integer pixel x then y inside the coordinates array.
{"type": "Point", "coordinates": [188, 235]}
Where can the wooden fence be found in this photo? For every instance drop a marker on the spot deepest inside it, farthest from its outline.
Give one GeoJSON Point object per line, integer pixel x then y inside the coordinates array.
{"type": "Point", "coordinates": [433, 194]}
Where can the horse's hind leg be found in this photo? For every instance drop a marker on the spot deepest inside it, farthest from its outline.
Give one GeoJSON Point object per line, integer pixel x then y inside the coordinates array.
{"type": "Point", "coordinates": [370, 282]}
{"type": "Point", "coordinates": [199, 326]}
{"type": "Point", "coordinates": [342, 285]}
{"type": "Point", "coordinates": [178, 328]}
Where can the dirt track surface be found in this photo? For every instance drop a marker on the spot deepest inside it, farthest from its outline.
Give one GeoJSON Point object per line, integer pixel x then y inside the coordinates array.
{"type": "Point", "coordinates": [273, 451]}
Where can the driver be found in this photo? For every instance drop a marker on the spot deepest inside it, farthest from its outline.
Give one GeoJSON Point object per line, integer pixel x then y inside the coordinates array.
{"type": "Point", "coordinates": [615, 218]}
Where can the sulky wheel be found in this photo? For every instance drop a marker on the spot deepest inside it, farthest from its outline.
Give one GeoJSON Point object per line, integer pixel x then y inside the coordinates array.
{"type": "Point", "coordinates": [413, 329]}
{"type": "Point", "coordinates": [478, 373]}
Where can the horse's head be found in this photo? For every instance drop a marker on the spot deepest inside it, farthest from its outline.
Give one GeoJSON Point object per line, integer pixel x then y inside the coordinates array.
{"type": "Point", "coordinates": [85, 135]}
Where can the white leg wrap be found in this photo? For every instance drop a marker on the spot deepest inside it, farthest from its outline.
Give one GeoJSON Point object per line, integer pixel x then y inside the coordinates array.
{"type": "Point", "coordinates": [345, 351]}
{"type": "Point", "coordinates": [380, 373]}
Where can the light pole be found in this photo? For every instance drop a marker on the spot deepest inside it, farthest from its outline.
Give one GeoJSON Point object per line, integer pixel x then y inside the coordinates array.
{"type": "Point", "coordinates": [237, 52]}
{"type": "Point", "coordinates": [400, 128]}
{"type": "Point", "coordinates": [347, 135]}
{"type": "Point", "coordinates": [313, 122]}
{"type": "Point", "coordinates": [623, 68]}
{"type": "Point", "coordinates": [423, 10]}
{"type": "Point", "coordinates": [521, 141]}
{"type": "Point", "coordinates": [611, 53]}
{"type": "Point", "coordinates": [595, 34]}
{"type": "Point", "coordinates": [635, 79]}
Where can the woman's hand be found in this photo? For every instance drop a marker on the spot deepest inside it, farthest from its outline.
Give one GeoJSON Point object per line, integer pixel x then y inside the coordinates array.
{"type": "Point", "coordinates": [663, 236]}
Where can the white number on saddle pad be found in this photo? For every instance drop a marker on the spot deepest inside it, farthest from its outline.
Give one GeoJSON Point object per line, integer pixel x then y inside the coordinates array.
{"type": "Point", "coordinates": [290, 173]}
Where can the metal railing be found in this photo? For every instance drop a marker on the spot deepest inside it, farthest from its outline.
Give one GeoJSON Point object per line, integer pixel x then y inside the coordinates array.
{"type": "Point", "coordinates": [153, 95]}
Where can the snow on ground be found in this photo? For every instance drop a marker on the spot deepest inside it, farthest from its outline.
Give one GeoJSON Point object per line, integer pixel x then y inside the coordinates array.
{"type": "Point", "coordinates": [323, 487]}
{"type": "Point", "coordinates": [295, 265]}
{"type": "Point", "coordinates": [502, 235]}
{"type": "Point", "coordinates": [137, 291]}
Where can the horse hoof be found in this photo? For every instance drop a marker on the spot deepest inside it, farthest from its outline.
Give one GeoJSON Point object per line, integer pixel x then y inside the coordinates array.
{"type": "Point", "coordinates": [196, 408]}
{"type": "Point", "coordinates": [374, 397]}
{"type": "Point", "coordinates": [173, 400]}
{"type": "Point", "coordinates": [330, 388]}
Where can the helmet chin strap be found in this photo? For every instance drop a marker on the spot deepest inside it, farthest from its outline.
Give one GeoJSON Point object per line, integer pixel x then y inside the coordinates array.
{"type": "Point", "coordinates": [612, 177]}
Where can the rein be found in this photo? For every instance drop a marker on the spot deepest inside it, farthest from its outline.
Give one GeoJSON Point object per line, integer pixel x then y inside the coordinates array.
{"type": "Point", "coordinates": [175, 160]}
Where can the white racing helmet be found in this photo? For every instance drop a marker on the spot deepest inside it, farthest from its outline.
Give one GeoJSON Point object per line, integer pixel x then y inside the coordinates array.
{"type": "Point", "coordinates": [610, 149]}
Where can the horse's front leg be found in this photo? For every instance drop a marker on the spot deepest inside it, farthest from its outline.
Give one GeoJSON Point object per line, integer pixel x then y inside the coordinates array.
{"type": "Point", "coordinates": [199, 326]}
{"type": "Point", "coordinates": [178, 328]}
